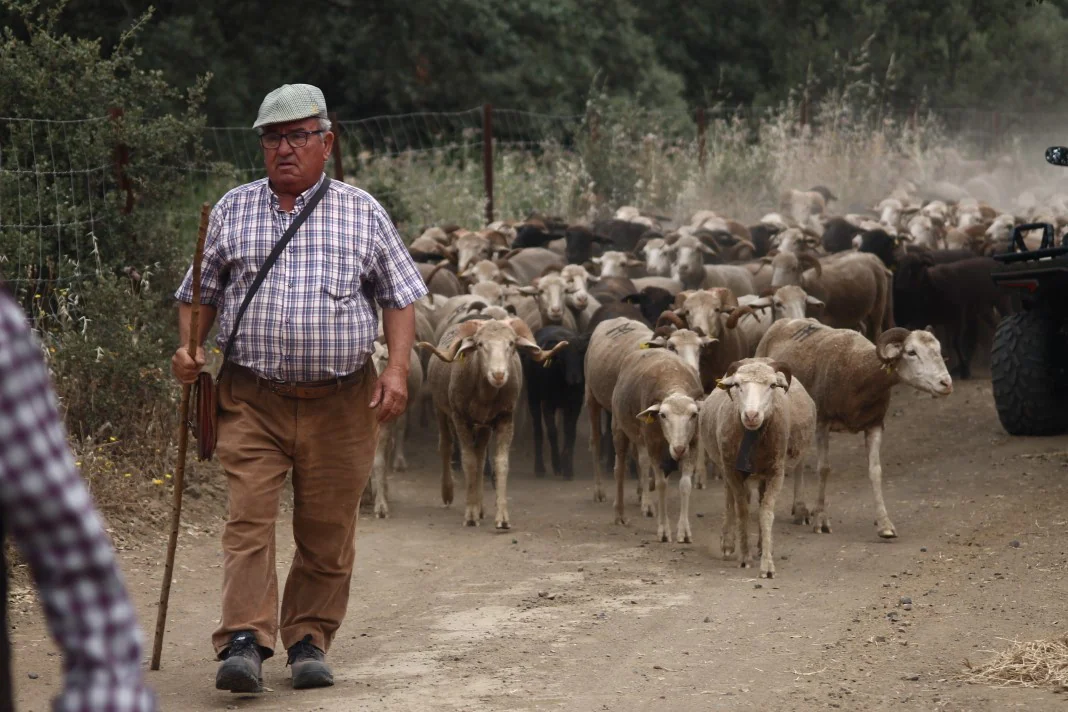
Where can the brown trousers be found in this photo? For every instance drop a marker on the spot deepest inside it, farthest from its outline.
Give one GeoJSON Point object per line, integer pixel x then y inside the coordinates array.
{"type": "Point", "coordinates": [329, 444]}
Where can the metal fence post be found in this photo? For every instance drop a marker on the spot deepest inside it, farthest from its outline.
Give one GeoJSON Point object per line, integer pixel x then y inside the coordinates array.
{"type": "Point", "coordinates": [121, 156]}
{"type": "Point", "coordinates": [339, 169]}
{"type": "Point", "coordinates": [487, 158]}
{"type": "Point", "coordinates": [701, 126]}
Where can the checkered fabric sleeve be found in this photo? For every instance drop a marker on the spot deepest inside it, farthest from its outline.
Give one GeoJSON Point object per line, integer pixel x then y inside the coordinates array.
{"type": "Point", "coordinates": [212, 277]}
{"type": "Point", "coordinates": [49, 512]}
{"type": "Point", "coordinates": [397, 281]}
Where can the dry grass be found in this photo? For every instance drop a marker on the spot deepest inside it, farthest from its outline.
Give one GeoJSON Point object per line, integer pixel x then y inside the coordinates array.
{"type": "Point", "coordinates": [1036, 663]}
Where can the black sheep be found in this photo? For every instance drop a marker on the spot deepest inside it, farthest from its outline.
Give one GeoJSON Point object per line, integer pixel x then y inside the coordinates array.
{"type": "Point", "coordinates": [556, 385]}
{"type": "Point", "coordinates": [652, 302]}
{"type": "Point", "coordinates": [838, 235]}
{"type": "Point", "coordinates": [956, 296]}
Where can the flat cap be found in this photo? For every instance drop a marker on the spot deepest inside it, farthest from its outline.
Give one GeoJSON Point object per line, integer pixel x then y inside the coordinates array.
{"type": "Point", "coordinates": [291, 102]}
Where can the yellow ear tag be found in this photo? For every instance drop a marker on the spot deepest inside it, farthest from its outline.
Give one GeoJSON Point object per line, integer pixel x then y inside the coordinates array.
{"type": "Point", "coordinates": [547, 362]}
{"type": "Point", "coordinates": [462, 354]}
{"type": "Point", "coordinates": [719, 384]}
{"type": "Point", "coordinates": [889, 368]}
{"type": "Point", "coordinates": [645, 345]}
{"type": "Point", "coordinates": [649, 419]}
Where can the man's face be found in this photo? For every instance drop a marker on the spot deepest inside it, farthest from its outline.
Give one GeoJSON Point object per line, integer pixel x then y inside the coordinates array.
{"type": "Point", "coordinates": [294, 170]}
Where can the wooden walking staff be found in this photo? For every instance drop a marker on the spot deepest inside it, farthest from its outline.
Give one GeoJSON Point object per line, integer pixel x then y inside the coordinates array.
{"type": "Point", "coordinates": [183, 442]}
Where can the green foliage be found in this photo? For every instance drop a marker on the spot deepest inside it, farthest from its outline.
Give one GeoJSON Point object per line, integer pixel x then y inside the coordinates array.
{"type": "Point", "coordinates": [73, 192]}
{"type": "Point", "coordinates": [108, 348]}
{"type": "Point", "coordinates": [95, 280]}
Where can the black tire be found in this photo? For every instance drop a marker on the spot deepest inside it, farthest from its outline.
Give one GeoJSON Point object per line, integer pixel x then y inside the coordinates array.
{"type": "Point", "coordinates": [1027, 376]}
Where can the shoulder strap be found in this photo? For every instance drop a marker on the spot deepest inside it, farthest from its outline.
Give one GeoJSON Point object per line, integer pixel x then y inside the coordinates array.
{"type": "Point", "coordinates": [269, 262]}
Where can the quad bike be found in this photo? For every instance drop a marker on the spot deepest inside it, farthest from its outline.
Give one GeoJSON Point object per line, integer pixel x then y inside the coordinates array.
{"type": "Point", "coordinates": [1029, 371]}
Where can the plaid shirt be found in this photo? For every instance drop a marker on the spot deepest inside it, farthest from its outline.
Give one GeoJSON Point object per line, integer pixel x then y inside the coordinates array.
{"type": "Point", "coordinates": [47, 508]}
{"type": "Point", "coordinates": [313, 317]}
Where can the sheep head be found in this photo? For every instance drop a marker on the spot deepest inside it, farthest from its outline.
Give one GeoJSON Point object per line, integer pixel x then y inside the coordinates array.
{"type": "Point", "coordinates": [470, 248]}
{"type": "Point", "coordinates": [482, 271]}
{"type": "Point", "coordinates": [492, 292]}
{"type": "Point", "coordinates": [687, 260]}
{"type": "Point", "coordinates": [705, 310]}
{"type": "Point", "coordinates": [549, 290]}
{"type": "Point", "coordinates": [787, 268]}
{"type": "Point", "coordinates": [754, 382]}
{"type": "Point", "coordinates": [615, 263]}
{"type": "Point", "coordinates": [792, 302]}
{"type": "Point", "coordinates": [915, 357]}
{"type": "Point", "coordinates": [578, 280]}
{"type": "Point", "coordinates": [687, 345]}
{"type": "Point", "coordinates": [676, 419]}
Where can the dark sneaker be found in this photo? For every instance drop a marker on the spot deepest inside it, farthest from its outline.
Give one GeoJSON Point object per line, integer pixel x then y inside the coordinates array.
{"type": "Point", "coordinates": [309, 668]}
{"type": "Point", "coordinates": [240, 671]}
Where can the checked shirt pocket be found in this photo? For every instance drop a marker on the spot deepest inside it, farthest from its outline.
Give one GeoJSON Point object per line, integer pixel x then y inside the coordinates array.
{"type": "Point", "coordinates": [341, 275]}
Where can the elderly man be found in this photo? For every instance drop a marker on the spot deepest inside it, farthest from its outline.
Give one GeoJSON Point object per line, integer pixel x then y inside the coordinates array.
{"type": "Point", "coordinates": [298, 391]}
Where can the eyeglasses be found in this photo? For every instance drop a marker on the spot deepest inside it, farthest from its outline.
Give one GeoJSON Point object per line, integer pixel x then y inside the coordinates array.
{"type": "Point", "coordinates": [296, 139]}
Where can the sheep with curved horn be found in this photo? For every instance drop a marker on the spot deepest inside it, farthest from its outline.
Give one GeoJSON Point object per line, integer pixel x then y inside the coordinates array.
{"type": "Point", "coordinates": [475, 382]}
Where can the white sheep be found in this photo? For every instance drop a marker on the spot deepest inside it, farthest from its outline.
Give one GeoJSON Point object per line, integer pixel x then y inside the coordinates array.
{"type": "Point", "coordinates": [475, 383]}
{"type": "Point", "coordinates": [655, 410]}
{"type": "Point", "coordinates": [389, 451]}
{"type": "Point", "coordinates": [850, 379]}
{"type": "Point", "coordinates": [759, 401]}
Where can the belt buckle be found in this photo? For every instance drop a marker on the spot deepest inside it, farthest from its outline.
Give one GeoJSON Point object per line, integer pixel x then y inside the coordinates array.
{"type": "Point", "coordinates": [279, 388]}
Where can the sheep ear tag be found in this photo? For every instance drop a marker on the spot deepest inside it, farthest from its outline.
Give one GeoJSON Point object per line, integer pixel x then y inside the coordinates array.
{"type": "Point", "coordinates": [648, 419]}
{"type": "Point", "coordinates": [644, 345]}
{"type": "Point", "coordinates": [720, 384]}
{"type": "Point", "coordinates": [547, 362]}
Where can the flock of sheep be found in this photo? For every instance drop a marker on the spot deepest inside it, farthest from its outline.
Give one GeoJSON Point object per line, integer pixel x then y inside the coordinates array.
{"type": "Point", "coordinates": [704, 344]}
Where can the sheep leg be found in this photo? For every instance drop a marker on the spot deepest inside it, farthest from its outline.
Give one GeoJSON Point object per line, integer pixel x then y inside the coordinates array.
{"type": "Point", "coordinates": [378, 473]}
{"type": "Point", "coordinates": [741, 512]}
{"type": "Point", "coordinates": [534, 405]}
{"type": "Point", "coordinates": [425, 404]}
{"type": "Point", "coordinates": [503, 438]}
{"type": "Point", "coordinates": [663, 528]}
{"type": "Point", "coordinates": [607, 450]}
{"type": "Point", "coordinates": [873, 438]}
{"type": "Point", "coordinates": [728, 536]}
{"type": "Point", "coordinates": [969, 338]}
{"type": "Point", "coordinates": [571, 416]}
{"type": "Point", "coordinates": [472, 455]}
{"type": "Point", "coordinates": [619, 440]}
{"type": "Point", "coordinates": [548, 411]}
{"type": "Point", "coordinates": [487, 469]}
{"type": "Point", "coordinates": [767, 520]}
{"type": "Point", "coordinates": [445, 451]}
{"type": "Point", "coordinates": [398, 432]}
{"type": "Point", "coordinates": [643, 481]}
{"type": "Point", "coordinates": [700, 469]}
{"type": "Point", "coordinates": [683, 533]}
{"type": "Point", "coordinates": [800, 510]}
{"type": "Point", "coordinates": [593, 409]}
{"type": "Point", "coordinates": [820, 521]}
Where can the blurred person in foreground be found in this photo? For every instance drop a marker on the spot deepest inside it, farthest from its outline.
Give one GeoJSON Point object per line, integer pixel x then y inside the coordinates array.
{"type": "Point", "coordinates": [46, 507]}
{"type": "Point", "coordinates": [298, 391]}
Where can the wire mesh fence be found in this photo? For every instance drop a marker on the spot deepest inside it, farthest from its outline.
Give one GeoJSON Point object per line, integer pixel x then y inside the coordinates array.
{"type": "Point", "coordinates": [63, 185]}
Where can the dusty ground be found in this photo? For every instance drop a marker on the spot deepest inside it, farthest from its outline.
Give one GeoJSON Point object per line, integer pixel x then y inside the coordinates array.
{"type": "Point", "coordinates": [443, 617]}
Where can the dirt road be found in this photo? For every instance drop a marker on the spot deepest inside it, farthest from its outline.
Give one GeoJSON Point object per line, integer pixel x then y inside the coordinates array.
{"type": "Point", "coordinates": [568, 611]}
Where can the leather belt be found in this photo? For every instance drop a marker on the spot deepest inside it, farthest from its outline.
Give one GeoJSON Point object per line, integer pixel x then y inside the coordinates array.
{"type": "Point", "coordinates": [304, 389]}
